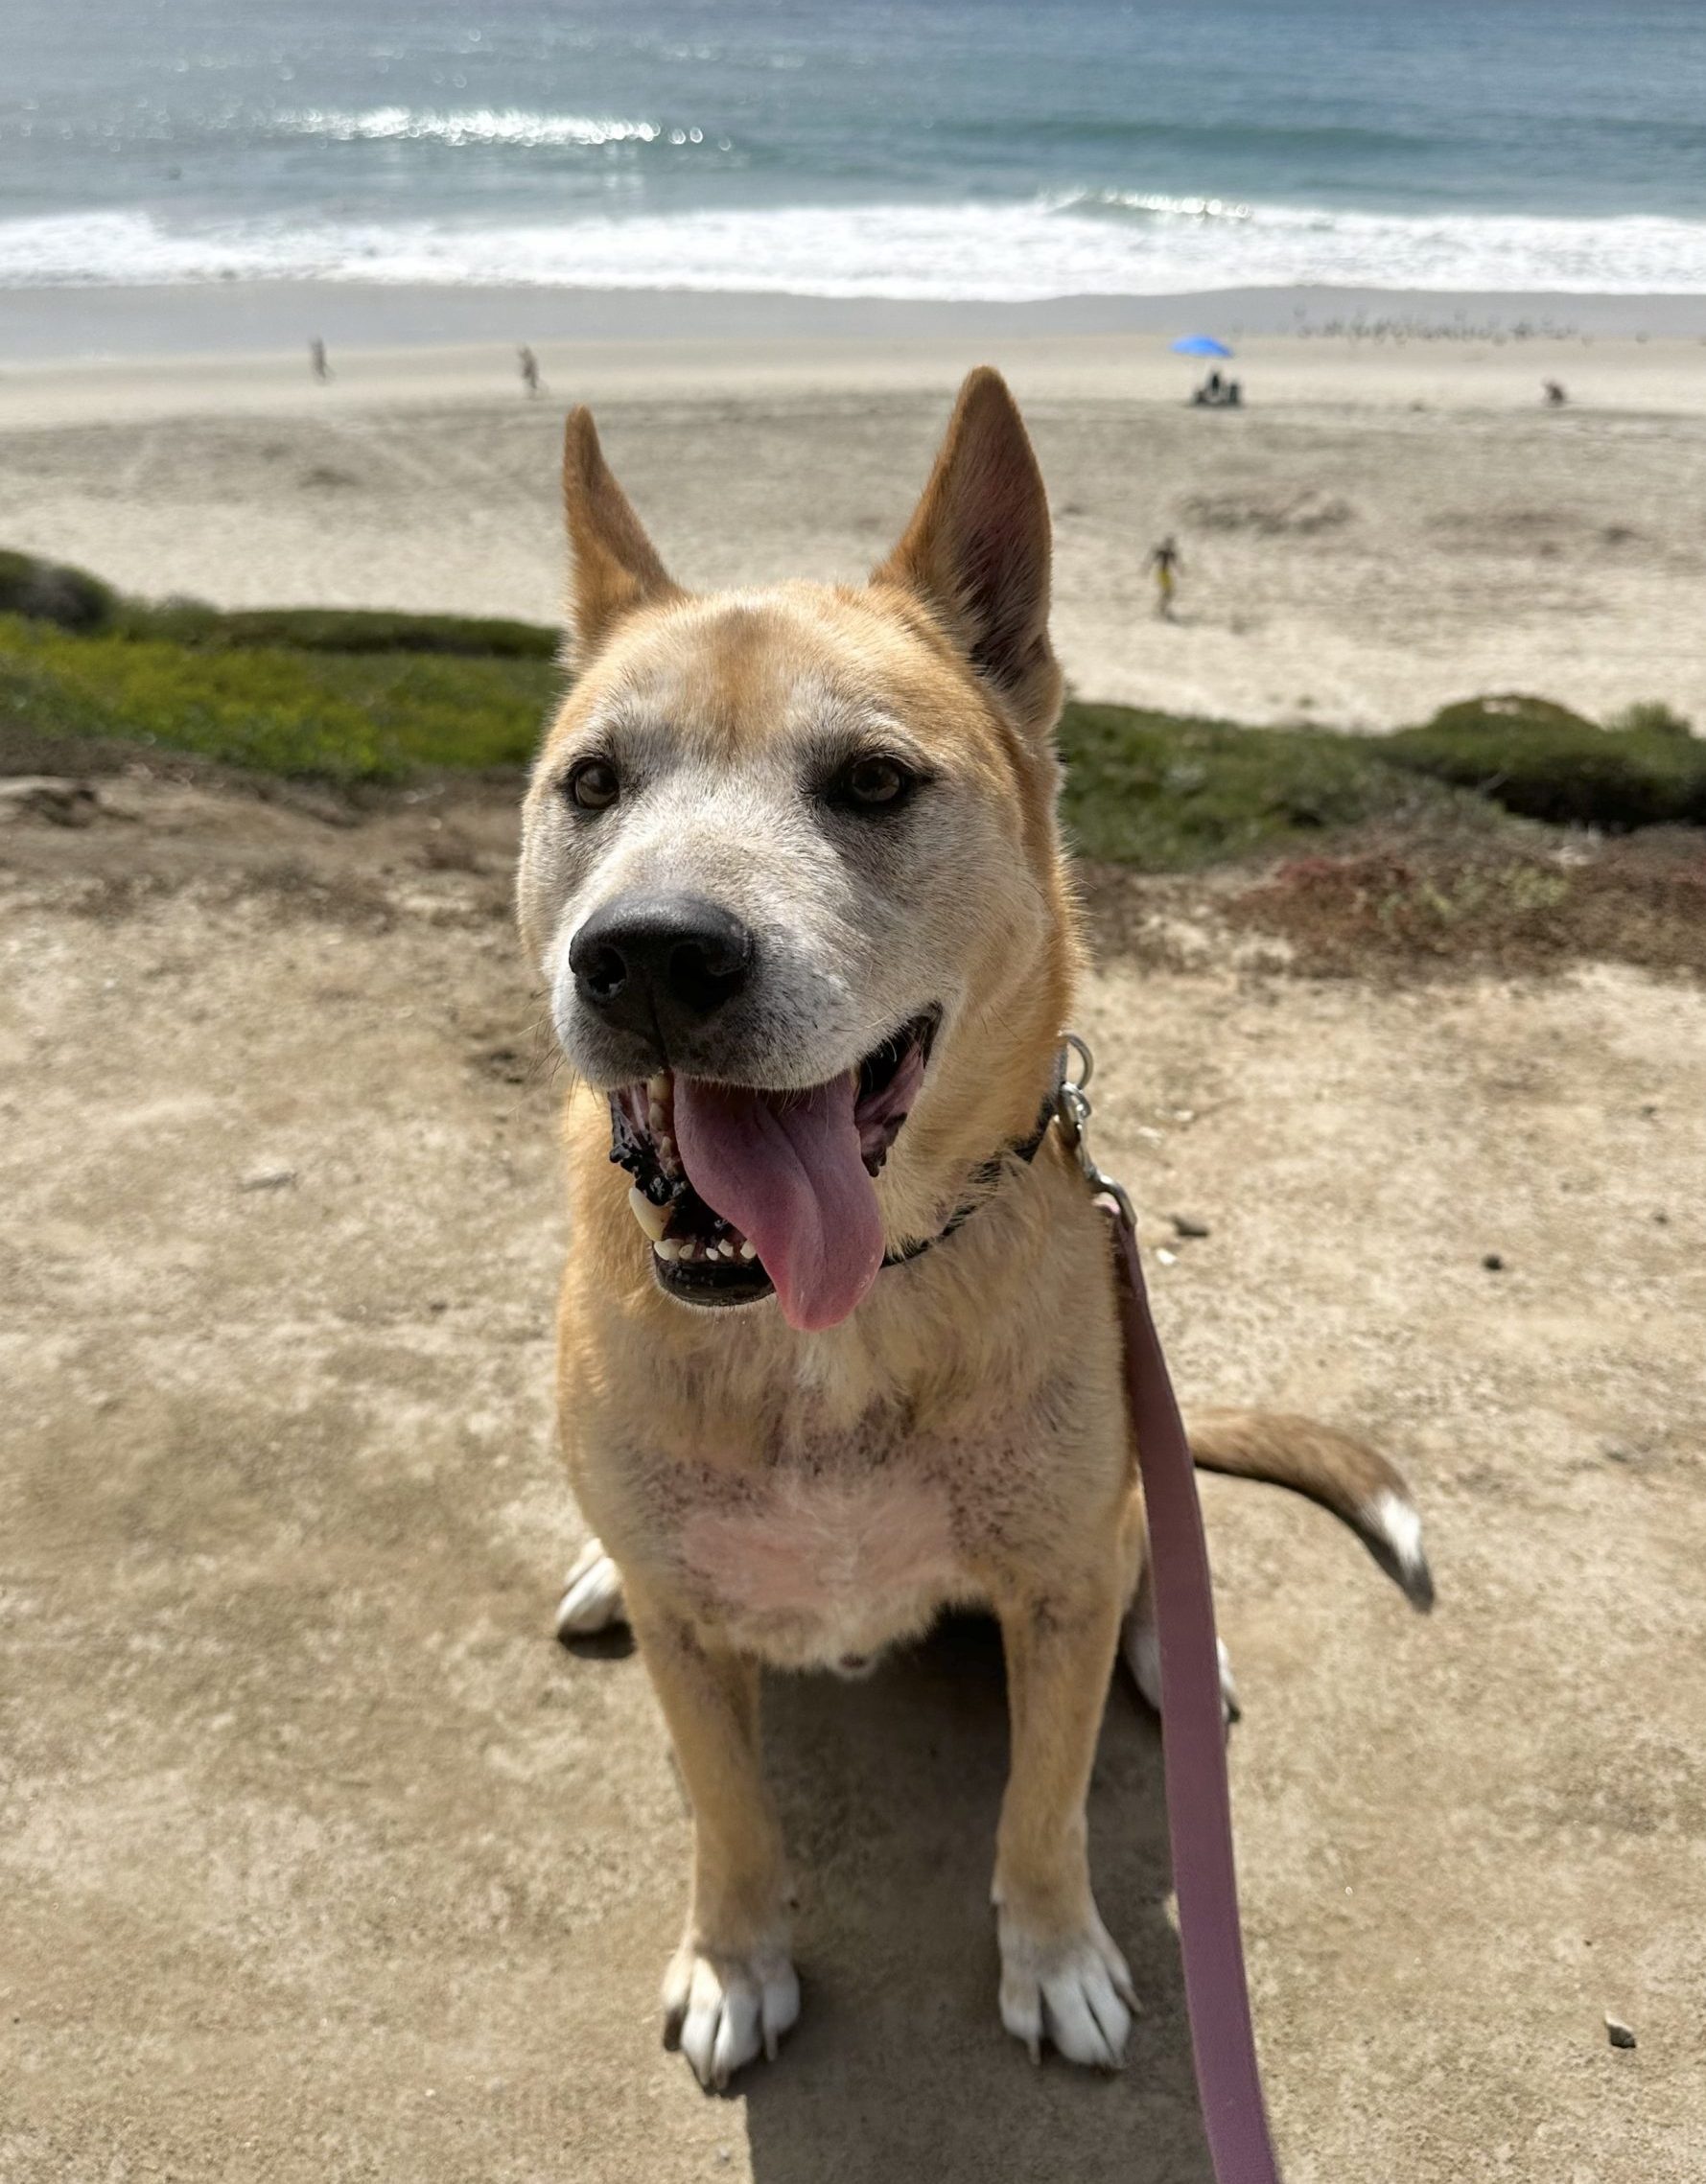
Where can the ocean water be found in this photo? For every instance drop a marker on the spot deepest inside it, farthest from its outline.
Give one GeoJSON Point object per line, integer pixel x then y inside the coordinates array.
{"type": "Point", "coordinates": [993, 149]}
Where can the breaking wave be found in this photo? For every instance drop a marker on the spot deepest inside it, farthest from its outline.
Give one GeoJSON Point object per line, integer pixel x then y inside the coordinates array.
{"type": "Point", "coordinates": [1084, 243]}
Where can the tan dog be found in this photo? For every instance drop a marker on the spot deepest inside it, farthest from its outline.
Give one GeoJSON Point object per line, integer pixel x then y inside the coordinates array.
{"type": "Point", "coordinates": [791, 870]}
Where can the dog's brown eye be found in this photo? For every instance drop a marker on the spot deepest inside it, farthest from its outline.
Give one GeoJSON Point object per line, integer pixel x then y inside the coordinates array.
{"type": "Point", "coordinates": [870, 783]}
{"type": "Point", "coordinates": [593, 785]}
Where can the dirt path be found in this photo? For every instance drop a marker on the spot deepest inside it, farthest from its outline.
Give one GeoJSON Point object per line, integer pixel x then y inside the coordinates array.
{"type": "Point", "coordinates": [320, 1860]}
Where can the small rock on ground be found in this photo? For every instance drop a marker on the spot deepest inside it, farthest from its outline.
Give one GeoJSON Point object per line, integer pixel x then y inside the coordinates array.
{"type": "Point", "coordinates": [267, 1180]}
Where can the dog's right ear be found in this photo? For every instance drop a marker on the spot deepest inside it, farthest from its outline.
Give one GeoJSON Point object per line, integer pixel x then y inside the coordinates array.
{"type": "Point", "coordinates": [976, 551]}
{"type": "Point", "coordinates": [613, 565]}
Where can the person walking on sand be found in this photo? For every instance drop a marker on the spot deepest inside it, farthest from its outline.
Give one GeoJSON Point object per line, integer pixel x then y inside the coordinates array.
{"type": "Point", "coordinates": [316, 360]}
{"type": "Point", "coordinates": [530, 364]}
{"type": "Point", "coordinates": [1168, 566]}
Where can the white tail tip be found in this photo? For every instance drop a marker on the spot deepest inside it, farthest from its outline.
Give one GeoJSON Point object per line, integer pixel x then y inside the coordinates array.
{"type": "Point", "coordinates": [1393, 1532]}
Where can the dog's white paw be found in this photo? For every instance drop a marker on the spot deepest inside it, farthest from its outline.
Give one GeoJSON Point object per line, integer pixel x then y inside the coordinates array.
{"type": "Point", "coordinates": [1142, 1650]}
{"type": "Point", "coordinates": [722, 2011]}
{"type": "Point", "coordinates": [1073, 1989]}
{"type": "Point", "coordinates": [592, 1595]}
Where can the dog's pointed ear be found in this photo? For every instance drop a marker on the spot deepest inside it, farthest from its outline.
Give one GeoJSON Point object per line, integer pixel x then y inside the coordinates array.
{"type": "Point", "coordinates": [614, 567]}
{"type": "Point", "coordinates": [976, 551]}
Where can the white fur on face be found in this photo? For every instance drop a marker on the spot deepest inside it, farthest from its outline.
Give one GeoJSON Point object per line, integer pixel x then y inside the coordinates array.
{"type": "Point", "coordinates": [859, 922]}
{"type": "Point", "coordinates": [742, 838]}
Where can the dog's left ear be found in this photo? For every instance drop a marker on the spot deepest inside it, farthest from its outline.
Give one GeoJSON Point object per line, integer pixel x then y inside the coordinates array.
{"type": "Point", "coordinates": [976, 551]}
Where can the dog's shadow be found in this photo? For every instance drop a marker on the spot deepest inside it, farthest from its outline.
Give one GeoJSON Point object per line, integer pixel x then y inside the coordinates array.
{"type": "Point", "coordinates": [899, 2067]}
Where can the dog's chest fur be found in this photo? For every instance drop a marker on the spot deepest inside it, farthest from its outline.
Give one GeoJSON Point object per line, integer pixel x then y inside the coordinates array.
{"type": "Point", "coordinates": [832, 1564]}
{"type": "Point", "coordinates": [827, 1543]}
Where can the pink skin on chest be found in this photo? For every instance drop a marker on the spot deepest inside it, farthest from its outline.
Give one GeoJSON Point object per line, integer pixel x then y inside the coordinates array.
{"type": "Point", "coordinates": [813, 1546]}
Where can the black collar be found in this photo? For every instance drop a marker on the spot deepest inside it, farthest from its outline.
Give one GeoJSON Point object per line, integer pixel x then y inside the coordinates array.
{"type": "Point", "coordinates": [982, 1177]}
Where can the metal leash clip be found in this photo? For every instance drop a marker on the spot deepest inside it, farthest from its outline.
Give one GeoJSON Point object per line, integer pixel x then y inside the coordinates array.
{"type": "Point", "coordinates": [1072, 1114]}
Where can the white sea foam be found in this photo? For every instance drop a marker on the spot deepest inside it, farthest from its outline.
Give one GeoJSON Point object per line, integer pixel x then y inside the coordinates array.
{"type": "Point", "coordinates": [1152, 201]}
{"type": "Point", "coordinates": [999, 252]}
{"type": "Point", "coordinates": [483, 125]}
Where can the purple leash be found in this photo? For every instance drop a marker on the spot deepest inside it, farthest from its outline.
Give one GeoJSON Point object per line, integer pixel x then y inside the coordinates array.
{"type": "Point", "coordinates": [1194, 1738]}
{"type": "Point", "coordinates": [1194, 1754]}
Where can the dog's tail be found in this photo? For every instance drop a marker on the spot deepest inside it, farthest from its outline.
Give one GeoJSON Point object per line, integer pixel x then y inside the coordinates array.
{"type": "Point", "coordinates": [1344, 1474]}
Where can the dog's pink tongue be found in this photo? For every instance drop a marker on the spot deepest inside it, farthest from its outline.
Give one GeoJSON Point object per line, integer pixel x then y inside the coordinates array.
{"type": "Point", "coordinates": [786, 1169]}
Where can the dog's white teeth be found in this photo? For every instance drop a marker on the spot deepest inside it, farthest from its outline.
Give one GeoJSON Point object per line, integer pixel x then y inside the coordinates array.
{"type": "Point", "coordinates": [697, 1251]}
{"type": "Point", "coordinates": [657, 1088]}
{"type": "Point", "coordinates": [666, 1148]}
{"type": "Point", "coordinates": [657, 1118]}
{"type": "Point", "coordinates": [654, 1219]}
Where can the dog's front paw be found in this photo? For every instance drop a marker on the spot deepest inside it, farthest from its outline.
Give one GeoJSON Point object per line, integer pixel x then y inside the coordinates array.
{"type": "Point", "coordinates": [592, 1594]}
{"type": "Point", "coordinates": [721, 2008]}
{"type": "Point", "coordinates": [1071, 1989]}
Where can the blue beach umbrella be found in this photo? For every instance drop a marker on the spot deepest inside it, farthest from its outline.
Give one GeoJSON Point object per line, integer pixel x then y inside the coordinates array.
{"type": "Point", "coordinates": [1201, 345]}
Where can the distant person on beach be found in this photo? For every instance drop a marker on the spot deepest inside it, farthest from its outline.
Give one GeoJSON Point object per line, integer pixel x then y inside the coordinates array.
{"type": "Point", "coordinates": [530, 364]}
{"type": "Point", "coordinates": [1555, 397]}
{"type": "Point", "coordinates": [316, 359]}
{"type": "Point", "coordinates": [1168, 567]}
{"type": "Point", "coordinates": [1218, 393]}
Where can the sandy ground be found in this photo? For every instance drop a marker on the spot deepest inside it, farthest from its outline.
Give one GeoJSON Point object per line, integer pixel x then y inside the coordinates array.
{"type": "Point", "coordinates": [320, 1861]}
{"type": "Point", "coordinates": [1389, 525]}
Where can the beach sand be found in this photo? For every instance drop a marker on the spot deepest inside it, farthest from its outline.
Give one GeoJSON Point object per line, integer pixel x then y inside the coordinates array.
{"type": "Point", "coordinates": [1389, 523]}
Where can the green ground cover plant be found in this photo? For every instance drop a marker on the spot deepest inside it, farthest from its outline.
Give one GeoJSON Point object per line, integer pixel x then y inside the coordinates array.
{"type": "Point", "coordinates": [1162, 794]}
{"type": "Point", "coordinates": [369, 697]}
{"type": "Point", "coordinates": [344, 717]}
{"type": "Point", "coordinates": [1545, 763]}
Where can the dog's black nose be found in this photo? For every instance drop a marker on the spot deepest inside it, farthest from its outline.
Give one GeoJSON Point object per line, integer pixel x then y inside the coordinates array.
{"type": "Point", "coordinates": [660, 964]}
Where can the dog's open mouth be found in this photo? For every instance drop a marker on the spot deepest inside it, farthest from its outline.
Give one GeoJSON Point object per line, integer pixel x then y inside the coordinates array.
{"type": "Point", "coordinates": [742, 1192]}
